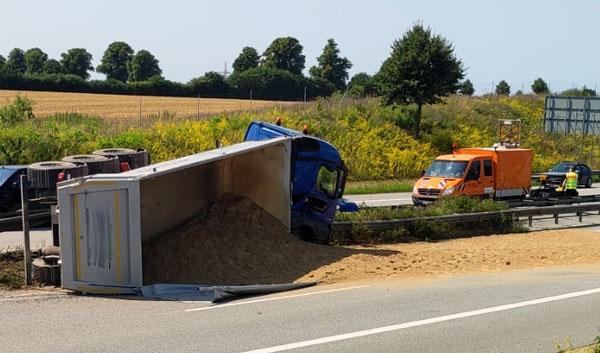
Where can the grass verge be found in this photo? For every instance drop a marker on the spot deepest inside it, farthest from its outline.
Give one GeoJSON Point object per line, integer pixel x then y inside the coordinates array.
{"type": "Point", "coordinates": [378, 186]}
{"type": "Point", "coordinates": [12, 270]}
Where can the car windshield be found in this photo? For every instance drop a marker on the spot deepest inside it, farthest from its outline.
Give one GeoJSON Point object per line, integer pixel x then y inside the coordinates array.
{"type": "Point", "coordinates": [5, 174]}
{"type": "Point", "coordinates": [561, 168]}
{"type": "Point", "coordinates": [447, 169]}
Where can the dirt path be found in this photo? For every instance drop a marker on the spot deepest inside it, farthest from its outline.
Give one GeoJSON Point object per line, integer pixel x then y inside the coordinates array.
{"type": "Point", "coordinates": [468, 255]}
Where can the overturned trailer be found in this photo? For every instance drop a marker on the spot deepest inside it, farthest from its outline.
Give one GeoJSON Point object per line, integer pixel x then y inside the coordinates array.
{"type": "Point", "coordinates": [106, 218]}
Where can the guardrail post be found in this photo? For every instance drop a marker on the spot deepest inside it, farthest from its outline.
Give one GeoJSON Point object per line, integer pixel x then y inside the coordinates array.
{"type": "Point", "coordinates": [25, 215]}
{"type": "Point", "coordinates": [530, 221]}
{"type": "Point", "coordinates": [556, 218]}
{"type": "Point", "coordinates": [580, 214]}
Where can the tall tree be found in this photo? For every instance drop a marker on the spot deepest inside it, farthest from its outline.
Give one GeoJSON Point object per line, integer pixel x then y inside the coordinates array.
{"type": "Point", "coordinates": [53, 67]}
{"type": "Point", "coordinates": [2, 61]}
{"type": "Point", "coordinates": [331, 66]}
{"type": "Point", "coordinates": [466, 88]}
{"type": "Point", "coordinates": [502, 88]}
{"type": "Point", "coordinates": [247, 59]}
{"type": "Point", "coordinates": [285, 54]}
{"type": "Point", "coordinates": [34, 61]}
{"type": "Point", "coordinates": [16, 61]}
{"type": "Point", "coordinates": [77, 61]}
{"type": "Point", "coordinates": [539, 86]}
{"type": "Point", "coordinates": [421, 70]}
{"type": "Point", "coordinates": [115, 60]}
{"type": "Point", "coordinates": [142, 66]}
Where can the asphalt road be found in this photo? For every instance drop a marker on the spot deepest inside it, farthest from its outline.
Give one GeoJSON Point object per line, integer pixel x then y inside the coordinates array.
{"type": "Point", "coordinates": [520, 311]}
{"type": "Point", "coordinates": [405, 198]}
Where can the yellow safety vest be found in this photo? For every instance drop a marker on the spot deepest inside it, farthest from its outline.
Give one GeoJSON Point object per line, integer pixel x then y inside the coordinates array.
{"type": "Point", "coordinates": [571, 181]}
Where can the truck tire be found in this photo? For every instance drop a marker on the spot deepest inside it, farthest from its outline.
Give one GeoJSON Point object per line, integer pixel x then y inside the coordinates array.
{"type": "Point", "coordinates": [134, 158]}
{"type": "Point", "coordinates": [43, 176]}
{"type": "Point", "coordinates": [96, 163]}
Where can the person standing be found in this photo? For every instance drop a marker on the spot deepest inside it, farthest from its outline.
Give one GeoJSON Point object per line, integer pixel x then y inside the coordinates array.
{"type": "Point", "coordinates": [570, 183]}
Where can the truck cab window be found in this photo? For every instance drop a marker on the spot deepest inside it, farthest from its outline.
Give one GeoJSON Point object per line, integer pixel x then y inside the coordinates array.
{"type": "Point", "coordinates": [327, 181]}
{"type": "Point", "coordinates": [487, 167]}
{"type": "Point", "coordinates": [474, 171]}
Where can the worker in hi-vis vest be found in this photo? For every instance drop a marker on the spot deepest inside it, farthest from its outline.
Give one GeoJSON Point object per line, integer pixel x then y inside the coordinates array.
{"type": "Point", "coordinates": [570, 183]}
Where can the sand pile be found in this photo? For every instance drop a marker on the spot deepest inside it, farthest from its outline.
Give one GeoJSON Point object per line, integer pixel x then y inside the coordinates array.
{"type": "Point", "coordinates": [234, 242]}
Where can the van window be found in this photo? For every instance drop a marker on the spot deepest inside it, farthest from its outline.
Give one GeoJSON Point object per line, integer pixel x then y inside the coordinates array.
{"type": "Point", "coordinates": [487, 167]}
{"type": "Point", "coordinates": [327, 181]}
{"type": "Point", "coordinates": [474, 171]}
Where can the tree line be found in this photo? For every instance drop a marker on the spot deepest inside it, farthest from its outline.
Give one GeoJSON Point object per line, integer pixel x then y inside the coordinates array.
{"type": "Point", "coordinates": [276, 74]}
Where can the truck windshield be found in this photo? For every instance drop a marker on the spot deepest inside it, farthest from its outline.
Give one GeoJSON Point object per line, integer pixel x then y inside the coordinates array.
{"type": "Point", "coordinates": [447, 169]}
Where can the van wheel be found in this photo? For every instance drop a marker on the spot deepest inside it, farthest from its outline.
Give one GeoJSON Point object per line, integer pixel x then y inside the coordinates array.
{"type": "Point", "coordinates": [588, 184]}
{"type": "Point", "coordinates": [306, 233]}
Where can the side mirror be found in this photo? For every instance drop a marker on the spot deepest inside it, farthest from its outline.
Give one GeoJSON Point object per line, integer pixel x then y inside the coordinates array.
{"type": "Point", "coordinates": [422, 173]}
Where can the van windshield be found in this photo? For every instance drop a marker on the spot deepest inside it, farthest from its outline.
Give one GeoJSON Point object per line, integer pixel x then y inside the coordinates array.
{"type": "Point", "coordinates": [447, 169]}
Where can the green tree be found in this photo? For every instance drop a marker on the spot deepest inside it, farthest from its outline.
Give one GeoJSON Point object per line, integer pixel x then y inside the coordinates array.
{"type": "Point", "coordinates": [579, 92]}
{"type": "Point", "coordinates": [115, 60]}
{"type": "Point", "coordinates": [142, 66]}
{"type": "Point", "coordinates": [502, 89]}
{"type": "Point", "coordinates": [35, 59]}
{"type": "Point", "coordinates": [77, 61]}
{"type": "Point", "coordinates": [53, 67]}
{"type": "Point", "coordinates": [247, 59]}
{"type": "Point", "coordinates": [285, 54]}
{"type": "Point", "coordinates": [539, 86]}
{"type": "Point", "coordinates": [331, 66]}
{"type": "Point", "coordinates": [466, 88]}
{"type": "Point", "coordinates": [2, 60]}
{"type": "Point", "coordinates": [421, 70]}
{"type": "Point", "coordinates": [212, 84]}
{"type": "Point", "coordinates": [16, 61]}
{"type": "Point", "coordinates": [362, 85]}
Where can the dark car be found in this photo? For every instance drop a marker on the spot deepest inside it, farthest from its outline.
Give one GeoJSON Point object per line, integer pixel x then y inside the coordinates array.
{"type": "Point", "coordinates": [10, 187]}
{"type": "Point", "coordinates": [557, 174]}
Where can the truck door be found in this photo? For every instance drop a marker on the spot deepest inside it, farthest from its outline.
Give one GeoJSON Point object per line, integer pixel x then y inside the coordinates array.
{"type": "Point", "coordinates": [487, 179]}
{"type": "Point", "coordinates": [473, 182]}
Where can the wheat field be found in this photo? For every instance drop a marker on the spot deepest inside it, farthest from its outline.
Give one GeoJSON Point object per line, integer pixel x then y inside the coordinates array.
{"type": "Point", "coordinates": [112, 106]}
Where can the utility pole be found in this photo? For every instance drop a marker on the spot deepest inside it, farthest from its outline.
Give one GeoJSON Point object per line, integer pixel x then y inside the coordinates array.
{"type": "Point", "coordinates": [25, 217]}
{"type": "Point", "coordinates": [250, 99]}
{"type": "Point", "coordinates": [198, 114]}
{"type": "Point", "coordinates": [304, 94]}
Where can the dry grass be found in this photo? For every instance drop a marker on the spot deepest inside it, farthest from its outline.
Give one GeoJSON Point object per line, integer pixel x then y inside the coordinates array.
{"type": "Point", "coordinates": [113, 106]}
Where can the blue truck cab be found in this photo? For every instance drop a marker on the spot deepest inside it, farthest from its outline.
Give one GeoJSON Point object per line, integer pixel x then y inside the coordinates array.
{"type": "Point", "coordinates": [318, 180]}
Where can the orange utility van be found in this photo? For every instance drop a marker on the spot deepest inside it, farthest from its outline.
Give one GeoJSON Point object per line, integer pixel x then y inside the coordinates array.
{"type": "Point", "coordinates": [498, 172]}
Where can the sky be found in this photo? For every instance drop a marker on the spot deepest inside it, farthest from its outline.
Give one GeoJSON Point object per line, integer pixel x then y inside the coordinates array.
{"type": "Point", "coordinates": [510, 40]}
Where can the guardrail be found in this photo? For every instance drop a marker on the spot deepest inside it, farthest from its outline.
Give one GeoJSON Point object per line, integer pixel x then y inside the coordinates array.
{"type": "Point", "coordinates": [13, 221]}
{"type": "Point", "coordinates": [471, 217]}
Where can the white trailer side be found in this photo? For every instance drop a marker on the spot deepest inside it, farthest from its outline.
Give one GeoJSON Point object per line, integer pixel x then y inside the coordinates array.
{"type": "Point", "coordinates": [105, 218]}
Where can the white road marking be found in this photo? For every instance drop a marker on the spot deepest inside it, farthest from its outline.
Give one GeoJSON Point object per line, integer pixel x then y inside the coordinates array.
{"type": "Point", "coordinates": [434, 320]}
{"type": "Point", "coordinates": [275, 298]}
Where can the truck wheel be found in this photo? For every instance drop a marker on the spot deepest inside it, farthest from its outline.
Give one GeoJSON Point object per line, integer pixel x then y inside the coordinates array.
{"type": "Point", "coordinates": [588, 184]}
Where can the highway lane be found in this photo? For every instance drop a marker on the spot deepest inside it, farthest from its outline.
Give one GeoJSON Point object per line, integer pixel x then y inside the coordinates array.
{"type": "Point", "coordinates": [405, 198]}
{"type": "Point", "coordinates": [462, 314]}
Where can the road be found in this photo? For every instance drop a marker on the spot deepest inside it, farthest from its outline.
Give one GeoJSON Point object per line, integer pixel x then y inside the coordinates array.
{"type": "Point", "coordinates": [404, 198]}
{"type": "Point", "coordinates": [520, 311]}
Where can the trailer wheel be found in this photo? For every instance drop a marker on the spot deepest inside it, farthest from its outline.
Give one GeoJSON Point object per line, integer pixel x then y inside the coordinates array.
{"type": "Point", "coordinates": [588, 184]}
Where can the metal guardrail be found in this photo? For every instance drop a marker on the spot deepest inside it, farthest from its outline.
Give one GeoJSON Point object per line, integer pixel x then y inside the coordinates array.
{"type": "Point", "coordinates": [13, 221]}
{"type": "Point", "coordinates": [471, 217]}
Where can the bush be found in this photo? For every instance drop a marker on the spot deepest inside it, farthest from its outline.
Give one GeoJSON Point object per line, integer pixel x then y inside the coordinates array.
{"type": "Point", "coordinates": [17, 112]}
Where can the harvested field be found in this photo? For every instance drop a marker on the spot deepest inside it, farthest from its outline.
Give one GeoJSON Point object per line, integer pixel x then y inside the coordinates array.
{"type": "Point", "coordinates": [236, 242]}
{"type": "Point", "coordinates": [113, 106]}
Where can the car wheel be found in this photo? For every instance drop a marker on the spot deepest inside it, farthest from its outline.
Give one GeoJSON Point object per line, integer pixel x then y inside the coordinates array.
{"type": "Point", "coordinates": [588, 184]}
